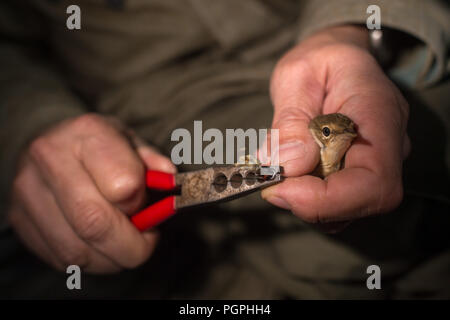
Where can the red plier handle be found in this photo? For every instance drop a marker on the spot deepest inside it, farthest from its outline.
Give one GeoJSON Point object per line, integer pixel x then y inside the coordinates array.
{"type": "Point", "coordinates": [161, 210]}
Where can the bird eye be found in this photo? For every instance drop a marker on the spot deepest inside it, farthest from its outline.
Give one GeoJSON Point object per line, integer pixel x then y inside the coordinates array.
{"type": "Point", "coordinates": [326, 131]}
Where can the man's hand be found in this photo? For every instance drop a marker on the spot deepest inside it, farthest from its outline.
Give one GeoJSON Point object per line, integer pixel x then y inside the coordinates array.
{"type": "Point", "coordinates": [76, 185]}
{"type": "Point", "coordinates": [330, 72]}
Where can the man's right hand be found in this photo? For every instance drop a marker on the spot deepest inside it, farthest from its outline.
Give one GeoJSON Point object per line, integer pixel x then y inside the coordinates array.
{"type": "Point", "coordinates": [75, 186]}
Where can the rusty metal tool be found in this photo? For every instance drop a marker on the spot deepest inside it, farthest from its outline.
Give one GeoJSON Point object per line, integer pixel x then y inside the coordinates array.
{"type": "Point", "coordinates": [210, 185]}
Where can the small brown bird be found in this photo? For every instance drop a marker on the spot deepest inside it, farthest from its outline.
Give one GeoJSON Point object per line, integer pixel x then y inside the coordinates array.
{"type": "Point", "coordinates": [334, 134]}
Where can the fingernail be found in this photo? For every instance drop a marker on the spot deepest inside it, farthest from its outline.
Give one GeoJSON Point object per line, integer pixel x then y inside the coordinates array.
{"type": "Point", "coordinates": [279, 202]}
{"type": "Point", "coordinates": [145, 150]}
{"type": "Point", "coordinates": [292, 150]}
{"type": "Point", "coordinates": [168, 167]}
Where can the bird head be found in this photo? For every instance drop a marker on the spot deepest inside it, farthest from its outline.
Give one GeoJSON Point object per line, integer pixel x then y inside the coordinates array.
{"type": "Point", "coordinates": [334, 134]}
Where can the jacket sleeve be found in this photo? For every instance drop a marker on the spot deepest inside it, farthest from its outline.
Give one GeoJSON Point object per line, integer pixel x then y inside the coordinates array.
{"type": "Point", "coordinates": [33, 95]}
{"type": "Point", "coordinates": [428, 21]}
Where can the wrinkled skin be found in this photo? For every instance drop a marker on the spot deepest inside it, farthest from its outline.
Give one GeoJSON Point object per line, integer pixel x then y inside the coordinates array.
{"type": "Point", "coordinates": [332, 71]}
{"type": "Point", "coordinates": [76, 184]}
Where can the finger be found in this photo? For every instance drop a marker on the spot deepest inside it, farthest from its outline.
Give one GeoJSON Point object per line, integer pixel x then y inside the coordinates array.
{"type": "Point", "coordinates": [30, 236]}
{"type": "Point", "coordinates": [348, 194]}
{"type": "Point", "coordinates": [65, 245]}
{"type": "Point", "coordinates": [90, 215]}
{"type": "Point", "coordinates": [381, 113]}
{"type": "Point", "coordinates": [380, 142]}
{"type": "Point", "coordinates": [298, 152]}
{"type": "Point", "coordinates": [115, 167]}
{"type": "Point", "coordinates": [362, 92]}
{"type": "Point", "coordinates": [297, 98]}
{"type": "Point", "coordinates": [154, 160]}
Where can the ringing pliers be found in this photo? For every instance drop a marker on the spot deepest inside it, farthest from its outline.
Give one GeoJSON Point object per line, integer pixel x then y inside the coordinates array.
{"type": "Point", "coordinates": [213, 184]}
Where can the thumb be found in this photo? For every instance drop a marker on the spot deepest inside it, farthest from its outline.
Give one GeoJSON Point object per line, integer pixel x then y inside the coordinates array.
{"type": "Point", "coordinates": [151, 157]}
{"type": "Point", "coordinates": [298, 152]}
{"type": "Point", "coordinates": [297, 97]}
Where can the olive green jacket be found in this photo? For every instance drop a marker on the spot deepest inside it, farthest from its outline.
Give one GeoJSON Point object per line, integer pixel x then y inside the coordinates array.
{"type": "Point", "coordinates": [145, 61]}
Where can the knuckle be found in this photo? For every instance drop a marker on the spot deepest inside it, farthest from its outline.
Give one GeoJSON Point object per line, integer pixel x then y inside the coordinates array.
{"type": "Point", "coordinates": [40, 148]}
{"type": "Point", "coordinates": [292, 60]}
{"type": "Point", "coordinates": [290, 117]}
{"type": "Point", "coordinates": [93, 222]}
{"type": "Point", "coordinates": [88, 122]}
{"type": "Point", "coordinates": [345, 52]}
{"type": "Point", "coordinates": [124, 186]}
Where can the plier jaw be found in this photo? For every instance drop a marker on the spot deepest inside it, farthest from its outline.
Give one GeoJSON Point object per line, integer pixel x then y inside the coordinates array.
{"type": "Point", "coordinates": [222, 183]}
{"type": "Point", "coordinates": [213, 184]}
